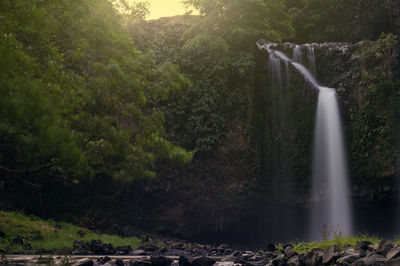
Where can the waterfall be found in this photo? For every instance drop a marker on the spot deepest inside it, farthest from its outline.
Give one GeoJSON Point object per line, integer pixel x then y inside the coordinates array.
{"type": "Point", "coordinates": [311, 59]}
{"type": "Point", "coordinates": [330, 212]}
{"type": "Point", "coordinates": [287, 74]}
{"type": "Point", "coordinates": [275, 69]}
{"type": "Point", "coordinates": [297, 54]}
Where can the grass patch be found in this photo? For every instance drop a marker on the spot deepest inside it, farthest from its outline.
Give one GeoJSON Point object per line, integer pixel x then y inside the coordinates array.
{"type": "Point", "coordinates": [30, 233]}
{"type": "Point", "coordinates": [340, 241]}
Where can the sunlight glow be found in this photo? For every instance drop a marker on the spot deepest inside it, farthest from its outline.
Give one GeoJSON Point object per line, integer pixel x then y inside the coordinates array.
{"type": "Point", "coordinates": [165, 8]}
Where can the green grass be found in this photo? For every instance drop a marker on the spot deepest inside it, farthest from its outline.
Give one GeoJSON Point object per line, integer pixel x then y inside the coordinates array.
{"type": "Point", "coordinates": [340, 241]}
{"type": "Point", "coordinates": [40, 234]}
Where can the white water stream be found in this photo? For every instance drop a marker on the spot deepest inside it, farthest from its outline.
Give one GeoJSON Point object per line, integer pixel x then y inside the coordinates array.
{"type": "Point", "coordinates": [331, 211]}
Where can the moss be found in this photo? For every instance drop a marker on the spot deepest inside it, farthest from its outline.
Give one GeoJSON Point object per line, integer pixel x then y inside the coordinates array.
{"type": "Point", "coordinates": [30, 233]}
{"type": "Point", "coordinates": [339, 241]}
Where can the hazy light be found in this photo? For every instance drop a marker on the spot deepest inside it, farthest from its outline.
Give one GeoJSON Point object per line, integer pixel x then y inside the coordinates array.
{"type": "Point", "coordinates": [165, 8]}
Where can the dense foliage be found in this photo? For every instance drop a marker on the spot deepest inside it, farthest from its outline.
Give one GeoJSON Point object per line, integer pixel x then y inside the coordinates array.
{"type": "Point", "coordinates": [242, 23]}
{"type": "Point", "coordinates": [343, 20]}
{"type": "Point", "coordinates": [75, 92]}
{"type": "Point", "coordinates": [374, 114]}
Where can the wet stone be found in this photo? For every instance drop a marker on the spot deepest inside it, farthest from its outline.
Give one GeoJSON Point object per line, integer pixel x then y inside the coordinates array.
{"type": "Point", "coordinates": [119, 262]}
{"type": "Point", "coordinates": [393, 253]}
{"type": "Point", "coordinates": [203, 261]}
{"type": "Point", "coordinates": [330, 254]}
{"type": "Point", "coordinates": [84, 262]}
{"type": "Point", "coordinates": [139, 263]}
{"type": "Point", "coordinates": [348, 259]}
{"type": "Point", "coordinates": [270, 248]}
{"type": "Point", "coordinates": [384, 247]}
{"type": "Point", "coordinates": [138, 252]}
{"type": "Point", "coordinates": [183, 261]}
{"type": "Point", "coordinates": [160, 261]}
{"type": "Point", "coordinates": [363, 244]}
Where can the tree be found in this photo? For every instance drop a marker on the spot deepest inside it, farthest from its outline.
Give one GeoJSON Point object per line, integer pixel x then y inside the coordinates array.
{"type": "Point", "coordinates": [342, 20]}
{"type": "Point", "coordinates": [243, 22]}
{"type": "Point", "coordinates": [75, 94]}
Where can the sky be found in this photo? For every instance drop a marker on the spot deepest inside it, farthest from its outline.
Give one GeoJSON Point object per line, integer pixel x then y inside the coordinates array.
{"type": "Point", "coordinates": [165, 8]}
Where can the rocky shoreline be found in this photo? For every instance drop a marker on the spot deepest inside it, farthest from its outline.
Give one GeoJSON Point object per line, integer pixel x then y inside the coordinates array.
{"type": "Point", "coordinates": [173, 253]}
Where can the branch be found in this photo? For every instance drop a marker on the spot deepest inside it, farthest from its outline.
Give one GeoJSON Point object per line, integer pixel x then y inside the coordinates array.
{"type": "Point", "coordinates": [26, 171]}
{"type": "Point", "coordinates": [62, 177]}
{"type": "Point", "coordinates": [19, 173]}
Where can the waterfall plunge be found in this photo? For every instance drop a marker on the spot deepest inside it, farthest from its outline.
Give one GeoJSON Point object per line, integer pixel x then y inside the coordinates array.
{"type": "Point", "coordinates": [331, 212]}
{"type": "Point", "coordinates": [332, 215]}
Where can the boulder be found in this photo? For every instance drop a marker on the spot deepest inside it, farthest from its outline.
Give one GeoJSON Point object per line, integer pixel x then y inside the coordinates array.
{"type": "Point", "coordinates": [247, 255]}
{"type": "Point", "coordinates": [183, 261]}
{"type": "Point", "coordinates": [203, 261]}
{"type": "Point", "coordinates": [277, 262]}
{"type": "Point", "coordinates": [81, 247]}
{"type": "Point", "coordinates": [362, 244]}
{"type": "Point", "coordinates": [139, 263]}
{"type": "Point", "coordinates": [100, 248]}
{"type": "Point", "coordinates": [330, 255]}
{"type": "Point", "coordinates": [237, 253]}
{"type": "Point", "coordinates": [373, 259]}
{"type": "Point", "coordinates": [160, 261]}
{"type": "Point", "coordinates": [289, 252]}
{"type": "Point", "coordinates": [84, 262]}
{"type": "Point", "coordinates": [123, 250]}
{"type": "Point", "coordinates": [224, 263]}
{"type": "Point", "coordinates": [270, 248]}
{"type": "Point", "coordinates": [384, 247]}
{"type": "Point", "coordinates": [119, 262]}
{"type": "Point", "coordinates": [349, 259]}
{"type": "Point", "coordinates": [138, 252]}
{"type": "Point", "coordinates": [294, 261]}
{"type": "Point", "coordinates": [393, 253]}
{"type": "Point", "coordinates": [229, 258]}
{"type": "Point", "coordinates": [393, 262]}
{"type": "Point", "coordinates": [350, 251]}
{"type": "Point", "coordinates": [312, 257]}
{"type": "Point", "coordinates": [222, 248]}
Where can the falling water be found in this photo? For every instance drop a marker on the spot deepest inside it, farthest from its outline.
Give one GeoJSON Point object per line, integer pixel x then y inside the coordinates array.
{"type": "Point", "coordinates": [287, 74]}
{"type": "Point", "coordinates": [275, 68]}
{"type": "Point", "coordinates": [331, 212]}
{"type": "Point", "coordinates": [333, 216]}
{"type": "Point", "coordinates": [311, 59]}
{"type": "Point", "coordinates": [297, 54]}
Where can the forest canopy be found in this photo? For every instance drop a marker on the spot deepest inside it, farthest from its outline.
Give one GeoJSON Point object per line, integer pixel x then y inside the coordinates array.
{"type": "Point", "coordinates": [76, 93]}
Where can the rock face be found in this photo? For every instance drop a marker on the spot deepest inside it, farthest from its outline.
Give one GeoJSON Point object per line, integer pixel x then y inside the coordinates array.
{"type": "Point", "coordinates": [333, 65]}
